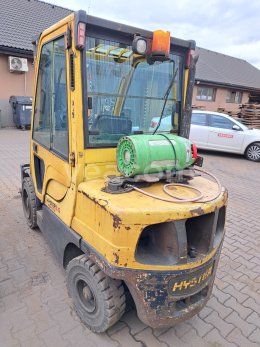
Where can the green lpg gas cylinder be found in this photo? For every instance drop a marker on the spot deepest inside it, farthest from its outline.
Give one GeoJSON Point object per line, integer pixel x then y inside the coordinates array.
{"type": "Point", "coordinates": [149, 154]}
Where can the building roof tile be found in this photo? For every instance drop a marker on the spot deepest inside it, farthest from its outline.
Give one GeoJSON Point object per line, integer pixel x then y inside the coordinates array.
{"type": "Point", "coordinates": [22, 19]}
{"type": "Point", "coordinates": [223, 69]}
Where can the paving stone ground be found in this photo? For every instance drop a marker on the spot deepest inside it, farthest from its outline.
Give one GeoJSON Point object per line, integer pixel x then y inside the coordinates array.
{"type": "Point", "coordinates": [36, 311]}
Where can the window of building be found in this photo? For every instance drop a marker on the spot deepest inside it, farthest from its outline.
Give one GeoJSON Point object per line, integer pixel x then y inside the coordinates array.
{"type": "Point", "coordinates": [234, 97]}
{"type": "Point", "coordinates": [206, 94]}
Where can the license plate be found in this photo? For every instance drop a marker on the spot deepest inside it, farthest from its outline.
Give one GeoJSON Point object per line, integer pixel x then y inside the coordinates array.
{"type": "Point", "coordinates": [190, 283]}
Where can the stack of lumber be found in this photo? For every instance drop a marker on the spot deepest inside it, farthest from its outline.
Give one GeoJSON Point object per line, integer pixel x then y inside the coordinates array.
{"type": "Point", "coordinates": [230, 113]}
{"type": "Point", "coordinates": [250, 115]}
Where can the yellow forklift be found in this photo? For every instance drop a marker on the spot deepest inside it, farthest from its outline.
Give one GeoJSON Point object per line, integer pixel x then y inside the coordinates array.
{"type": "Point", "coordinates": [115, 192]}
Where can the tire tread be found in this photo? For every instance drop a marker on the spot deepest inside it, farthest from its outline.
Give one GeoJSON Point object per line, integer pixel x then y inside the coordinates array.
{"type": "Point", "coordinates": [27, 184]}
{"type": "Point", "coordinates": [111, 292]}
{"type": "Point", "coordinates": [252, 144]}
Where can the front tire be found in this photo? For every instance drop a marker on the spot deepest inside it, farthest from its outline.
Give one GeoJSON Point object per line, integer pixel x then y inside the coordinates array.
{"type": "Point", "coordinates": [29, 202]}
{"type": "Point", "coordinates": [253, 152]}
{"type": "Point", "coordinates": [98, 299]}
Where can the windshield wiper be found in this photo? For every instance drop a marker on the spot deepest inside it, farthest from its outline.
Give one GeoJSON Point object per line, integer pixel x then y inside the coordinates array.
{"type": "Point", "coordinates": [166, 95]}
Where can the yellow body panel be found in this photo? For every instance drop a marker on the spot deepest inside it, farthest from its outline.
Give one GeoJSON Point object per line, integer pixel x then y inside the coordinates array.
{"type": "Point", "coordinates": [186, 77]}
{"type": "Point", "coordinates": [112, 223]}
{"type": "Point", "coordinates": [56, 190]}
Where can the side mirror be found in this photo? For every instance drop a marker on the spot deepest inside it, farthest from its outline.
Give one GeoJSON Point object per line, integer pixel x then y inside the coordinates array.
{"type": "Point", "coordinates": [236, 127]}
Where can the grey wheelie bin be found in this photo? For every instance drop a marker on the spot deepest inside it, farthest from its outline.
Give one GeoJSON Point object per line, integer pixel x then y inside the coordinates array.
{"type": "Point", "coordinates": [22, 110]}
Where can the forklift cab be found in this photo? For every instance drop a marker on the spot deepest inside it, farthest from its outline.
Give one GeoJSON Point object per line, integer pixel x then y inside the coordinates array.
{"type": "Point", "coordinates": [95, 82]}
{"type": "Point", "coordinates": [90, 90]}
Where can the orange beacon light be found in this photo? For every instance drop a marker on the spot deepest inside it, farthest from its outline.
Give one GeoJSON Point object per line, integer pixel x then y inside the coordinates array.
{"type": "Point", "coordinates": [161, 44]}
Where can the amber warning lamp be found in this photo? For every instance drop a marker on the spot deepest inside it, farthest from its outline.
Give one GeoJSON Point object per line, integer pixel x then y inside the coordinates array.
{"type": "Point", "coordinates": [161, 45]}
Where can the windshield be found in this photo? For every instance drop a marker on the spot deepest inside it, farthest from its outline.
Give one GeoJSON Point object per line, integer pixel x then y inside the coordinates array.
{"type": "Point", "coordinates": [127, 92]}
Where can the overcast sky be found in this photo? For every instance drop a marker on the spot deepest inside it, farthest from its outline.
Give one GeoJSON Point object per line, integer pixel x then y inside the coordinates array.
{"type": "Point", "coordinates": [227, 26]}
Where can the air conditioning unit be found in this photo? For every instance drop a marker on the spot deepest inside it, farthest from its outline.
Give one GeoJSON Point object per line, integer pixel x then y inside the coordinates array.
{"type": "Point", "coordinates": [17, 64]}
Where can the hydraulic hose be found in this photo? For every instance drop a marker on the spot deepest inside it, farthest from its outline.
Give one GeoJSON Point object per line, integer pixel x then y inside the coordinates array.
{"type": "Point", "coordinates": [178, 199]}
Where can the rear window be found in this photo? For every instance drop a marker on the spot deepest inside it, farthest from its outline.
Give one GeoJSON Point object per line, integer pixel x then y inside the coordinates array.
{"type": "Point", "coordinates": [199, 119]}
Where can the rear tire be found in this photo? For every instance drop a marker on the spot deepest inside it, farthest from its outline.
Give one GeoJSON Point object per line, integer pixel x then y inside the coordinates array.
{"type": "Point", "coordinates": [253, 152]}
{"type": "Point", "coordinates": [98, 299]}
{"type": "Point", "coordinates": [29, 202]}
